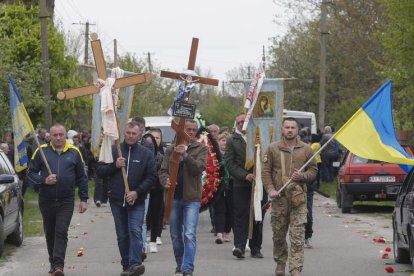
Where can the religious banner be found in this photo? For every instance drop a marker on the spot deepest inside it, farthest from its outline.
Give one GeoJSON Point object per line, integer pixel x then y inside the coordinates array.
{"type": "Point", "coordinates": [266, 118]}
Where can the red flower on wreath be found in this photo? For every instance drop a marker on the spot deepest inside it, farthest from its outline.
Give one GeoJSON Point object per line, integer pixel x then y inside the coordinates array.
{"type": "Point", "coordinates": [211, 176]}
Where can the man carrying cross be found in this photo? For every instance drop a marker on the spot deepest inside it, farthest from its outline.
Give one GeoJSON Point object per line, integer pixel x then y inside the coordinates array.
{"type": "Point", "coordinates": [187, 197]}
{"type": "Point", "coordinates": [128, 207]}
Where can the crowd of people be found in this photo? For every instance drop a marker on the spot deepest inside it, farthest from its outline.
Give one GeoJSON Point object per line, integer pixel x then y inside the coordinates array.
{"type": "Point", "coordinates": [134, 185]}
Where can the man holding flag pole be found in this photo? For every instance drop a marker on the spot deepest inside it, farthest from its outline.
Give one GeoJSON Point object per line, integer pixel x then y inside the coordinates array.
{"type": "Point", "coordinates": [57, 182]}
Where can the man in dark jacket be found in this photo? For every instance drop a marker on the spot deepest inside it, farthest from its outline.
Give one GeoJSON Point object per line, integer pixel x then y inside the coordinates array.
{"type": "Point", "coordinates": [128, 208]}
{"type": "Point", "coordinates": [57, 192]}
{"type": "Point", "coordinates": [187, 197]}
{"type": "Point", "coordinates": [234, 160]}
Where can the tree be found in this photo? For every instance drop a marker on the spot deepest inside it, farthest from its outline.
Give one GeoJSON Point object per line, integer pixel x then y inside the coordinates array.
{"type": "Point", "coordinates": [20, 44]}
{"type": "Point", "coordinates": [397, 36]}
{"type": "Point", "coordinates": [353, 51]}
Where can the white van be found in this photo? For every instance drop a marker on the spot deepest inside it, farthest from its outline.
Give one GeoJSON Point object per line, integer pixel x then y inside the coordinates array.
{"type": "Point", "coordinates": [305, 119]}
{"type": "Point", "coordinates": [163, 123]}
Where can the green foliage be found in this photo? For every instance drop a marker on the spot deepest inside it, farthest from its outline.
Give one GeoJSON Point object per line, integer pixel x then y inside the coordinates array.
{"type": "Point", "coordinates": [353, 49]}
{"type": "Point", "coordinates": [220, 110]}
{"type": "Point", "coordinates": [397, 36]}
{"type": "Point", "coordinates": [21, 58]}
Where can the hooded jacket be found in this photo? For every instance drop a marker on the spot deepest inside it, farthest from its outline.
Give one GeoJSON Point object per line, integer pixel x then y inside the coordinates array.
{"type": "Point", "coordinates": [140, 168]}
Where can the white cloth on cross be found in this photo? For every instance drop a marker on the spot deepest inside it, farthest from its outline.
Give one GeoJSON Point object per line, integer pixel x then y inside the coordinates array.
{"type": "Point", "coordinates": [258, 187]}
{"type": "Point", "coordinates": [109, 101]}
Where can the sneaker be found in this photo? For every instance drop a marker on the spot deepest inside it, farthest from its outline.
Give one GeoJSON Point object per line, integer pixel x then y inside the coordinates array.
{"type": "Point", "coordinates": [136, 270]}
{"type": "Point", "coordinates": [52, 269]}
{"type": "Point", "coordinates": [219, 238]}
{"type": "Point", "coordinates": [308, 243]}
{"type": "Point", "coordinates": [247, 247]}
{"type": "Point", "coordinates": [124, 273]}
{"type": "Point", "coordinates": [98, 203]}
{"type": "Point", "coordinates": [178, 270]}
{"type": "Point", "coordinates": [188, 274]}
{"type": "Point", "coordinates": [226, 237]}
{"type": "Point", "coordinates": [58, 272]}
{"type": "Point", "coordinates": [153, 247]}
{"type": "Point", "coordinates": [159, 242]}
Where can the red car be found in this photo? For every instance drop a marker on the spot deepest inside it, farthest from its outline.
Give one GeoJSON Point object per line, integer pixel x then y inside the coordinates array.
{"type": "Point", "coordinates": [361, 179]}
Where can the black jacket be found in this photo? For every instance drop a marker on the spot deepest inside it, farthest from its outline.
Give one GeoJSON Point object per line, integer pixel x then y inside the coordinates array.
{"type": "Point", "coordinates": [68, 167]}
{"type": "Point", "coordinates": [140, 168]}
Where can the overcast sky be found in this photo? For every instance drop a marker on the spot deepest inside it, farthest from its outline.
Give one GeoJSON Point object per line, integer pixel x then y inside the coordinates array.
{"type": "Point", "coordinates": [231, 32]}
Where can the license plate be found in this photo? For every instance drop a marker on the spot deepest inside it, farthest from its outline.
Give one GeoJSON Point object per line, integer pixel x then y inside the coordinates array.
{"type": "Point", "coordinates": [382, 179]}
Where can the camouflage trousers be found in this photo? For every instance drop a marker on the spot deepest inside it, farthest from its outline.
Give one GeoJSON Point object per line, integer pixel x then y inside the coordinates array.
{"type": "Point", "coordinates": [283, 218]}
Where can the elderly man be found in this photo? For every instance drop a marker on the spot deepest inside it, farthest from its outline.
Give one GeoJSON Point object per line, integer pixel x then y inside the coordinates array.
{"type": "Point", "coordinates": [57, 192]}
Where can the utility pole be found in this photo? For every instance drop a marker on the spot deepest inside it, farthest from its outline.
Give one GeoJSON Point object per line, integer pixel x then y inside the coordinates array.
{"type": "Point", "coordinates": [116, 61]}
{"type": "Point", "coordinates": [87, 24]}
{"type": "Point", "coordinates": [45, 63]}
{"type": "Point", "coordinates": [149, 63]}
{"type": "Point", "coordinates": [222, 88]}
{"type": "Point", "coordinates": [264, 60]}
{"type": "Point", "coordinates": [322, 76]}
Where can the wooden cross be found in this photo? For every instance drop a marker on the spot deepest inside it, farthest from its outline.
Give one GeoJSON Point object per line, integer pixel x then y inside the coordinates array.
{"type": "Point", "coordinates": [181, 136]}
{"type": "Point", "coordinates": [103, 75]}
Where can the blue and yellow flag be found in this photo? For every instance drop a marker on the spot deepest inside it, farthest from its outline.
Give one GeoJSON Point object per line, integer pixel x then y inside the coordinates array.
{"type": "Point", "coordinates": [370, 132]}
{"type": "Point", "coordinates": [21, 127]}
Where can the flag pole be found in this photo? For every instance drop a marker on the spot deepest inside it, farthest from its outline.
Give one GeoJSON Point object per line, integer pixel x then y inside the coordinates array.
{"type": "Point", "coordinates": [16, 93]}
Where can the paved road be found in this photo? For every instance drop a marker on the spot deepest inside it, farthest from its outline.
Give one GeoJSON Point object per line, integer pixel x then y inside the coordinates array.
{"type": "Point", "coordinates": [343, 245]}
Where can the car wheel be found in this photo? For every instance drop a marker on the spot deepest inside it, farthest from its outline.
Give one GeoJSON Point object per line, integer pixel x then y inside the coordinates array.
{"type": "Point", "coordinates": [400, 255]}
{"type": "Point", "coordinates": [338, 197]}
{"type": "Point", "coordinates": [16, 237]}
{"type": "Point", "coordinates": [1, 236]}
{"type": "Point", "coordinates": [345, 210]}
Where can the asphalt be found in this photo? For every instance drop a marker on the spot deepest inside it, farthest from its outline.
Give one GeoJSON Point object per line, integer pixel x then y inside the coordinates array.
{"type": "Point", "coordinates": [343, 245]}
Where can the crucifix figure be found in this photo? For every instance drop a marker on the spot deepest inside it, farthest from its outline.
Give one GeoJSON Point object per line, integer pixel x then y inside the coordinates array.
{"type": "Point", "coordinates": [103, 75]}
{"type": "Point", "coordinates": [181, 135]}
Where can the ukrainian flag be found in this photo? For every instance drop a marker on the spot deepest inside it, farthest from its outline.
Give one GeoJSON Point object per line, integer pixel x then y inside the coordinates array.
{"type": "Point", "coordinates": [21, 127]}
{"type": "Point", "coordinates": [370, 132]}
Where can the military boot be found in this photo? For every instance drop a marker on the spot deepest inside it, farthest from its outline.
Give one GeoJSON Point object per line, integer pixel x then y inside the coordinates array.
{"type": "Point", "coordinates": [280, 270]}
{"type": "Point", "coordinates": [295, 272]}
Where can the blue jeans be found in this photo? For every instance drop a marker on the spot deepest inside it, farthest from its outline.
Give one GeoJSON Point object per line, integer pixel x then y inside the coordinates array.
{"type": "Point", "coordinates": [128, 226]}
{"type": "Point", "coordinates": [183, 225]}
{"type": "Point", "coordinates": [144, 226]}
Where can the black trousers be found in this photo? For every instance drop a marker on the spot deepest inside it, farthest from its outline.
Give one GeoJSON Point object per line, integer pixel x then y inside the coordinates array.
{"type": "Point", "coordinates": [101, 189]}
{"type": "Point", "coordinates": [241, 209]}
{"type": "Point", "coordinates": [309, 223]}
{"type": "Point", "coordinates": [223, 212]}
{"type": "Point", "coordinates": [57, 215]}
{"type": "Point", "coordinates": [155, 213]}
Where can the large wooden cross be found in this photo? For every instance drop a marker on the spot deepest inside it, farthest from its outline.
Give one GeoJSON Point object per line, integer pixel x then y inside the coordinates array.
{"type": "Point", "coordinates": [181, 135]}
{"type": "Point", "coordinates": [103, 75]}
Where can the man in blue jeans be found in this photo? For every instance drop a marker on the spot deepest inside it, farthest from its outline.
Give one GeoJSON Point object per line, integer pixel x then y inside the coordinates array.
{"type": "Point", "coordinates": [187, 197]}
{"type": "Point", "coordinates": [128, 208]}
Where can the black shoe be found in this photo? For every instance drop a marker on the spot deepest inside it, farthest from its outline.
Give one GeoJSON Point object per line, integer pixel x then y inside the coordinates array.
{"type": "Point", "coordinates": [187, 274]}
{"type": "Point", "coordinates": [178, 270]}
{"type": "Point", "coordinates": [52, 269]}
{"type": "Point", "coordinates": [257, 255]}
{"type": "Point", "coordinates": [58, 271]}
{"type": "Point", "coordinates": [136, 270]}
{"type": "Point", "coordinates": [143, 256]}
{"type": "Point", "coordinates": [238, 253]}
{"type": "Point", "coordinates": [124, 273]}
